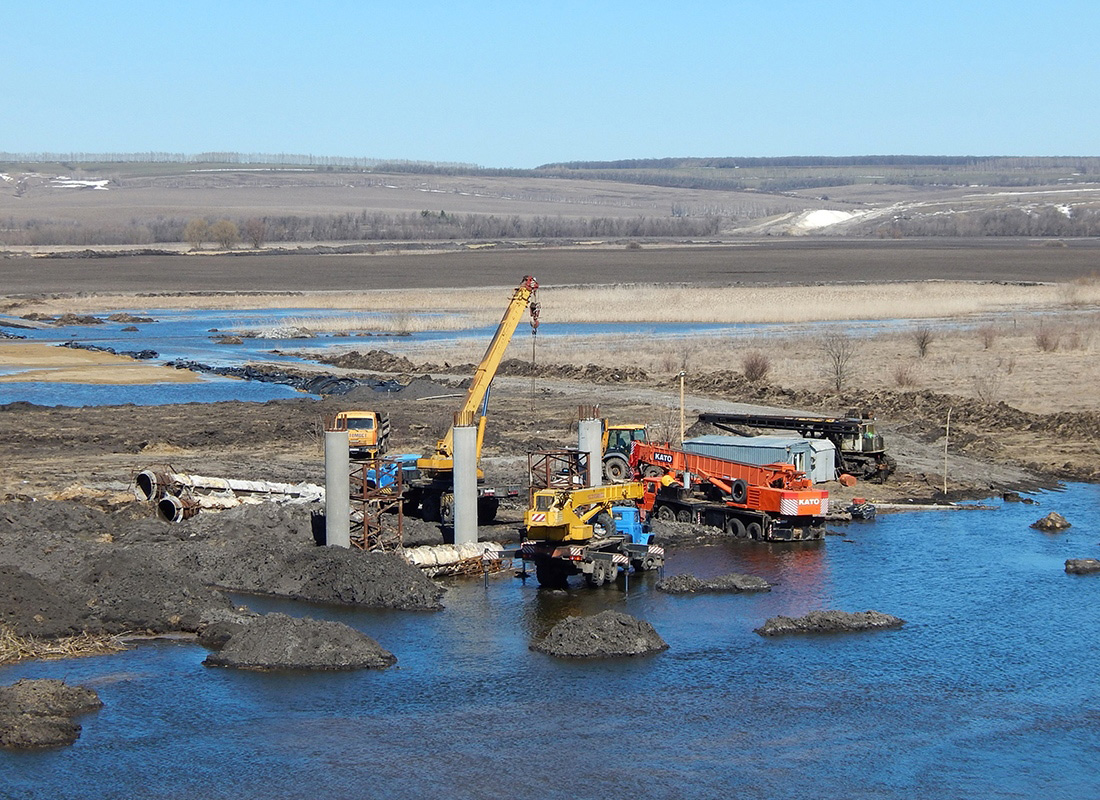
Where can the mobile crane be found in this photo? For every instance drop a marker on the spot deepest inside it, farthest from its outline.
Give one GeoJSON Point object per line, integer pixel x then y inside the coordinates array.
{"type": "Point", "coordinates": [774, 502]}
{"type": "Point", "coordinates": [591, 531]}
{"type": "Point", "coordinates": [429, 480]}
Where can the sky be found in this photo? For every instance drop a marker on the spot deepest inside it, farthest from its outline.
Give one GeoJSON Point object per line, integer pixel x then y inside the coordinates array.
{"type": "Point", "coordinates": [519, 84]}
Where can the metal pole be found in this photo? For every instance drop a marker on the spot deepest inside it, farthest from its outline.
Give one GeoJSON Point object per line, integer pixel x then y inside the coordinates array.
{"type": "Point", "coordinates": [465, 479]}
{"type": "Point", "coordinates": [946, 437]}
{"type": "Point", "coordinates": [682, 374]}
{"type": "Point", "coordinates": [337, 490]}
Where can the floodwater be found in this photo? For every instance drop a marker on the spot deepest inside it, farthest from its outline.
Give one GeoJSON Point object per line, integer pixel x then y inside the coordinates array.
{"type": "Point", "coordinates": [990, 690]}
{"type": "Point", "coordinates": [191, 335]}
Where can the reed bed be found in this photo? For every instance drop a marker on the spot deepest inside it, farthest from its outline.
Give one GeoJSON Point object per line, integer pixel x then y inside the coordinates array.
{"type": "Point", "coordinates": [646, 302]}
{"type": "Point", "coordinates": [1000, 361]}
{"type": "Point", "coordinates": [389, 323]}
{"type": "Point", "coordinates": [20, 648]}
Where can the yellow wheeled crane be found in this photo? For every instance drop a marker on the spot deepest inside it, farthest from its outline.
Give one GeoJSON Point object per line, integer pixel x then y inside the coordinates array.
{"type": "Point", "coordinates": [433, 486]}
{"type": "Point", "coordinates": [593, 531]}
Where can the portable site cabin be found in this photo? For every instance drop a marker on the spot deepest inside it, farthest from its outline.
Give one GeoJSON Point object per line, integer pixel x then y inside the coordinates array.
{"type": "Point", "coordinates": [815, 457]}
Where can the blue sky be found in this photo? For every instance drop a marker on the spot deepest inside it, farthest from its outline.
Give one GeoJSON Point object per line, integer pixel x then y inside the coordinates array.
{"type": "Point", "coordinates": [520, 84]}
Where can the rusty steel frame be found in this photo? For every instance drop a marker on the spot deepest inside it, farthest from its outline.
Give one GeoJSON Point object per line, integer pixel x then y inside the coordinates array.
{"type": "Point", "coordinates": [556, 469]}
{"type": "Point", "coordinates": [375, 530]}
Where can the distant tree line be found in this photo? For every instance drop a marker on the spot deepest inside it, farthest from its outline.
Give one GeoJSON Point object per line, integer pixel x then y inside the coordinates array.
{"type": "Point", "coordinates": [365, 226]}
{"type": "Point", "coordinates": [1046, 221]}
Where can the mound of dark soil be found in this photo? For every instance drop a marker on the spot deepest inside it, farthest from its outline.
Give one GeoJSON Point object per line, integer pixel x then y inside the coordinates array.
{"type": "Point", "coordinates": [610, 634]}
{"type": "Point", "coordinates": [829, 622]}
{"type": "Point", "coordinates": [276, 641]}
{"type": "Point", "coordinates": [1082, 566]}
{"type": "Point", "coordinates": [134, 591]}
{"type": "Point", "coordinates": [37, 713]}
{"type": "Point", "coordinates": [372, 361]}
{"type": "Point", "coordinates": [1051, 523]}
{"type": "Point", "coordinates": [734, 582]}
{"type": "Point", "coordinates": [33, 606]}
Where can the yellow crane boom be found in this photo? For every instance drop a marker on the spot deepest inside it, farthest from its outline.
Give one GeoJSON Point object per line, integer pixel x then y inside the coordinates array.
{"type": "Point", "coordinates": [477, 396]}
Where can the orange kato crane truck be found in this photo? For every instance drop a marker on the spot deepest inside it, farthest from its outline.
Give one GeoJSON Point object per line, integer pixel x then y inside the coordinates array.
{"type": "Point", "coordinates": [774, 502]}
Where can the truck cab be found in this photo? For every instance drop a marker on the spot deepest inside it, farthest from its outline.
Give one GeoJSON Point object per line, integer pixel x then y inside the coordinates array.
{"type": "Point", "coordinates": [368, 432]}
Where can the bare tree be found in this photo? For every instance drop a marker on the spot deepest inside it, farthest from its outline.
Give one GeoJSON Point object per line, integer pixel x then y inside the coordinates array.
{"type": "Point", "coordinates": [839, 349]}
{"type": "Point", "coordinates": [923, 336]}
{"type": "Point", "coordinates": [255, 230]}
{"type": "Point", "coordinates": [225, 233]}
{"type": "Point", "coordinates": [196, 232]}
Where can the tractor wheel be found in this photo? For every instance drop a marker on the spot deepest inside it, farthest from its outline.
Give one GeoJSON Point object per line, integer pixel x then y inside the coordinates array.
{"type": "Point", "coordinates": [616, 469]}
{"type": "Point", "coordinates": [665, 513]}
{"type": "Point", "coordinates": [652, 471]}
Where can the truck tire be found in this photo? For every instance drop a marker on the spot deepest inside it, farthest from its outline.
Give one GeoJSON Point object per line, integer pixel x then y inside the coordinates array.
{"type": "Point", "coordinates": [604, 521]}
{"type": "Point", "coordinates": [739, 491]}
{"type": "Point", "coordinates": [616, 469]}
{"type": "Point", "coordinates": [683, 515]}
{"type": "Point", "coordinates": [487, 509]}
{"type": "Point", "coordinates": [665, 513]}
{"type": "Point", "coordinates": [735, 528]}
{"type": "Point", "coordinates": [447, 509]}
{"type": "Point", "coordinates": [551, 573]}
{"type": "Point", "coordinates": [754, 530]}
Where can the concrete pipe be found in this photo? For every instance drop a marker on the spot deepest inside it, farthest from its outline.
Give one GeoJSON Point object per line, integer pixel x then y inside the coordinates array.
{"type": "Point", "coordinates": [150, 485]}
{"type": "Point", "coordinates": [176, 509]}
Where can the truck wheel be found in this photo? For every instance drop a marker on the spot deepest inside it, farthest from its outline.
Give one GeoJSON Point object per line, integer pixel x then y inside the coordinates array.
{"type": "Point", "coordinates": [616, 469]}
{"type": "Point", "coordinates": [754, 531]}
{"type": "Point", "coordinates": [487, 509]}
{"type": "Point", "coordinates": [447, 509]}
{"type": "Point", "coordinates": [603, 524]}
{"type": "Point", "coordinates": [739, 491]}
{"type": "Point", "coordinates": [598, 574]}
{"type": "Point", "coordinates": [665, 513]}
{"type": "Point", "coordinates": [735, 528]}
{"type": "Point", "coordinates": [683, 515]}
{"type": "Point", "coordinates": [550, 573]}
{"type": "Point", "coordinates": [431, 508]}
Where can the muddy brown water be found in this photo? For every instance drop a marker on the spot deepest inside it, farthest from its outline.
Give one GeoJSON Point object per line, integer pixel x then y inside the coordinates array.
{"type": "Point", "coordinates": [988, 690]}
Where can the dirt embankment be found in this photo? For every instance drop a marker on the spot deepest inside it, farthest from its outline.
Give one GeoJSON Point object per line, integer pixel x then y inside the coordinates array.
{"type": "Point", "coordinates": [68, 568]}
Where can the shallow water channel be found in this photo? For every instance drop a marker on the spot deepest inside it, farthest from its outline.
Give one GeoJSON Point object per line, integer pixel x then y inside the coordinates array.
{"type": "Point", "coordinates": [990, 689]}
{"type": "Point", "coordinates": [191, 335]}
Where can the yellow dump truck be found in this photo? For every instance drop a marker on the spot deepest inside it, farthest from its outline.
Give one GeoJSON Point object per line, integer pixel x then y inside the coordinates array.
{"type": "Point", "coordinates": [368, 432]}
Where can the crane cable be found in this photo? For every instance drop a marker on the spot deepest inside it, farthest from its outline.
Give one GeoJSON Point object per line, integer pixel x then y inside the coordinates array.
{"type": "Point", "coordinates": [534, 307]}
